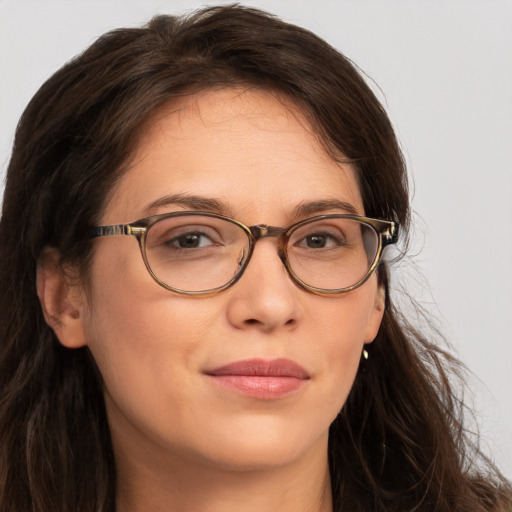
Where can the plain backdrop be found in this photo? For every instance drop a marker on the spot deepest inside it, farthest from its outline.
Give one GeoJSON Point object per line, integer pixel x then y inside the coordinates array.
{"type": "Point", "coordinates": [443, 69]}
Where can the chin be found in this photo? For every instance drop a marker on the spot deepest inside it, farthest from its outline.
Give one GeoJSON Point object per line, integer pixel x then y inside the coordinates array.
{"type": "Point", "coordinates": [262, 448]}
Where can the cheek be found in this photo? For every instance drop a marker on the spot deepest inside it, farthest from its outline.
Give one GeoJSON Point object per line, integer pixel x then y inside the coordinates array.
{"type": "Point", "coordinates": [139, 334]}
{"type": "Point", "coordinates": [341, 331]}
{"type": "Point", "coordinates": [130, 330]}
{"type": "Point", "coordinates": [147, 344]}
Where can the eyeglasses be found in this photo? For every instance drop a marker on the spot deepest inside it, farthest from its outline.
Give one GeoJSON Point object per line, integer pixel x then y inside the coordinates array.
{"type": "Point", "coordinates": [202, 253]}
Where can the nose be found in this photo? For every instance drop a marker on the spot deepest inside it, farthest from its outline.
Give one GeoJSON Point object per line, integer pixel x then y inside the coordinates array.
{"type": "Point", "coordinates": [265, 298]}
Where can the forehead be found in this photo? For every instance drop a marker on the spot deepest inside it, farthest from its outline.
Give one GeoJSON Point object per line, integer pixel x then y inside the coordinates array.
{"type": "Point", "coordinates": [252, 150]}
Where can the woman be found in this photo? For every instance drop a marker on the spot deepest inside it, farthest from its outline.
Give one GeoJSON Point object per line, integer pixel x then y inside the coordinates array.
{"type": "Point", "coordinates": [245, 354]}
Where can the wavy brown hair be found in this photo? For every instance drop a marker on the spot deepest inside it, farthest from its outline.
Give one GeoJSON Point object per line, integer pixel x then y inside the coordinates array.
{"type": "Point", "coordinates": [397, 445]}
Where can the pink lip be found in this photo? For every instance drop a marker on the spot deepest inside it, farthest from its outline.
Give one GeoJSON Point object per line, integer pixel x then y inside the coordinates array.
{"type": "Point", "coordinates": [259, 378]}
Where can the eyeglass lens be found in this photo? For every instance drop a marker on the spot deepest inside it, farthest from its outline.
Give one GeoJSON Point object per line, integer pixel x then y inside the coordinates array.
{"type": "Point", "coordinates": [199, 253]}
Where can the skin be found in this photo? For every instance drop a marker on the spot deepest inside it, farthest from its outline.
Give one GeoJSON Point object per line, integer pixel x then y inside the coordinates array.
{"type": "Point", "coordinates": [181, 442]}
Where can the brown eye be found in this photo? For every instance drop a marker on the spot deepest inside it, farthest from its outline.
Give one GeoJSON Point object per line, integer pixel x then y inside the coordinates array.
{"type": "Point", "coordinates": [193, 240]}
{"type": "Point", "coordinates": [321, 241]}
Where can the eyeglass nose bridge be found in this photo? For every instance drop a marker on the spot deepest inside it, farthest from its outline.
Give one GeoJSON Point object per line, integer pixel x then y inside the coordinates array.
{"type": "Point", "coordinates": [260, 231]}
{"type": "Point", "coordinates": [264, 231]}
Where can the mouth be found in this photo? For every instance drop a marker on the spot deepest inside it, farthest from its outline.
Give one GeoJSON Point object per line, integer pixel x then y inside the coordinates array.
{"type": "Point", "coordinates": [259, 378]}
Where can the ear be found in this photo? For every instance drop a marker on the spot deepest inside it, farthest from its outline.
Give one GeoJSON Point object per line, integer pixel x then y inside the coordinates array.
{"type": "Point", "coordinates": [376, 314]}
{"type": "Point", "coordinates": [61, 300]}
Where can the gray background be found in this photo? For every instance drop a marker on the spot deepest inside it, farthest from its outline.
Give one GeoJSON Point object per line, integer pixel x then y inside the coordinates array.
{"type": "Point", "coordinates": [444, 72]}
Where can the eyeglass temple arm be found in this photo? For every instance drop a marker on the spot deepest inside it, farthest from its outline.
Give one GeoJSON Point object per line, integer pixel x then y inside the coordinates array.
{"type": "Point", "coordinates": [117, 230]}
{"type": "Point", "coordinates": [390, 235]}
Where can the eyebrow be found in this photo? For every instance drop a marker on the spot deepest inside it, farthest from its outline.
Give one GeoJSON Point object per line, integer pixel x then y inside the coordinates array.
{"type": "Point", "coordinates": [191, 202]}
{"type": "Point", "coordinates": [194, 202]}
{"type": "Point", "coordinates": [308, 208]}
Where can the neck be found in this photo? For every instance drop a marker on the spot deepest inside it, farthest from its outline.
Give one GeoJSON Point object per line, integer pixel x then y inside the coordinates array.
{"type": "Point", "coordinates": [178, 484]}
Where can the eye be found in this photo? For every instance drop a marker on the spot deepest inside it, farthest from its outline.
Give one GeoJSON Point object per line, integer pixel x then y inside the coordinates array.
{"type": "Point", "coordinates": [318, 241]}
{"type": "Point", "coordinates": [190, 240]}
{"type": "Point", "coordinates": [321, 240]}
{"type": "Point", "coordinates": [175, 234]}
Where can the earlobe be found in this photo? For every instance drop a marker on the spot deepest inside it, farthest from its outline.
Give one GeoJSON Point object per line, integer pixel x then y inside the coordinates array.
{"type": "Point", "coordinates": [376, 314]}
{"type": "Point", "coordinates": [61, 301]}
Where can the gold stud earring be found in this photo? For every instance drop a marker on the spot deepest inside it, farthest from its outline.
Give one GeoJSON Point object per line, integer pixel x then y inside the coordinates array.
{"type": "Point", "coordinates": [363, 363]}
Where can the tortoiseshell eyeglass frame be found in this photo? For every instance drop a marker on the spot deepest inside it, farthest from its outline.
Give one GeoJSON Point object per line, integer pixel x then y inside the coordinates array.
{"type": "Point", "coordinates": [387, 232]}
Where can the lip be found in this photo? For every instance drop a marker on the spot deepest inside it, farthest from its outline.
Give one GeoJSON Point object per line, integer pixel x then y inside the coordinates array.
{"type": "Point", "coordinates": [260, 378]}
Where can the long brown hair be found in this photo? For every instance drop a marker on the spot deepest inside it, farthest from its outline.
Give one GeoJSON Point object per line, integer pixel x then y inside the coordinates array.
{"type": "Point", "coordinates": [398, 443]}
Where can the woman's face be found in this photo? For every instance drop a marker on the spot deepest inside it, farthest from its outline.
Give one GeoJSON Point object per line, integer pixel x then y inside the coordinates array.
{"type": "Point", "coordinates": [167, 360]}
